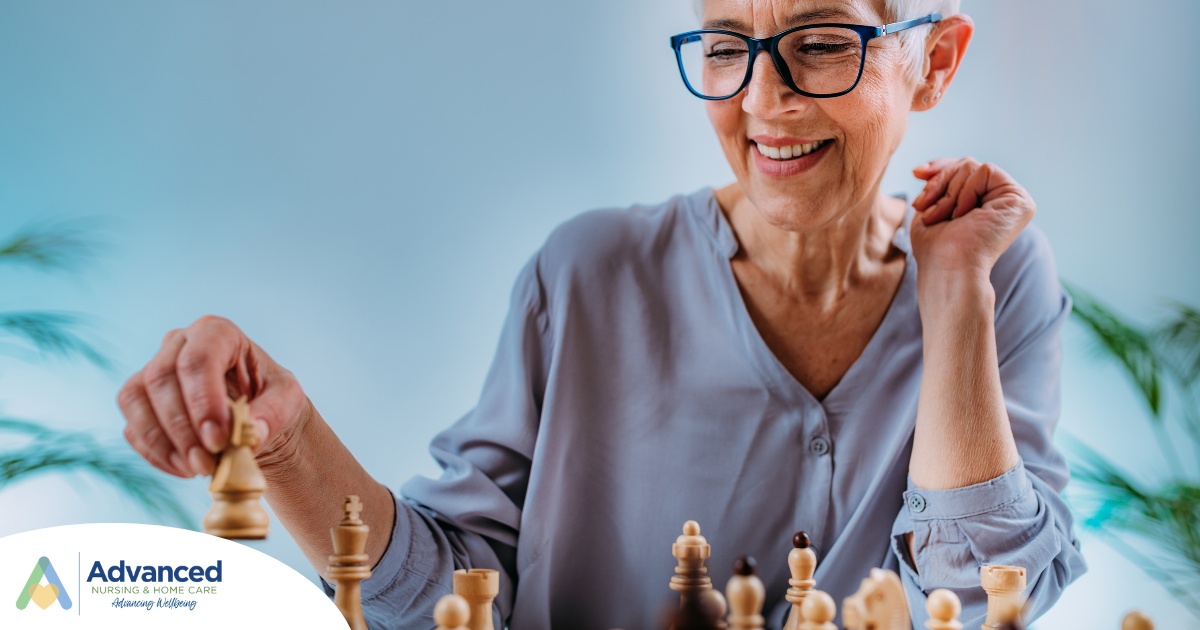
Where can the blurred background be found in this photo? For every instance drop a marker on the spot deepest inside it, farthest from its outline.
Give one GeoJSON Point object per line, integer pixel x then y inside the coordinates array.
{"type": "Point", "coordinates": [357, 184]}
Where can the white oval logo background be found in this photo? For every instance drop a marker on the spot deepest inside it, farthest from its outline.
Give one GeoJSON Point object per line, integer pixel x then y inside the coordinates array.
{"type": "Point", "coordinates": [255, 590]}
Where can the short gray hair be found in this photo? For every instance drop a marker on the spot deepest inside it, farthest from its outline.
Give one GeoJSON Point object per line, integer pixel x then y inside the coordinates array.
{"type": "Point", "coordinates": [912, 41]}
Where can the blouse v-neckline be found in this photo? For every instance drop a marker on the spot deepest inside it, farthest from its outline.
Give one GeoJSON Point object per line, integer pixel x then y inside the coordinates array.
{"type": "Point", "coordinates": [764, 360]}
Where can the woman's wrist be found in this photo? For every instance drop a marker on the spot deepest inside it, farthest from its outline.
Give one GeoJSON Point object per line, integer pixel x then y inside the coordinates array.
{"type": "Point", "coordinates": [282, 452]}
{"type": "Point", "coordinates": [947, 293]}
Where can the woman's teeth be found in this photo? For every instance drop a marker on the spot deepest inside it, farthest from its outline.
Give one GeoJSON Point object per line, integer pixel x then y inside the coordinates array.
{"type": "Point", "coordinates": [789, 152]}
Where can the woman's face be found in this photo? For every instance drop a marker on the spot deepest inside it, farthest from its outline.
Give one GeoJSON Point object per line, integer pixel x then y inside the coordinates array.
{"type": "Point", "coordinates": [857, 132]}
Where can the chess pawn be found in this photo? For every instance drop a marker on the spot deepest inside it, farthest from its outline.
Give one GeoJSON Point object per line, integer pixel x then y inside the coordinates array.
{"type": "Point", "coordinates": [238, 483]}
{"type": "Point", "coordinates": [944, 608]}
{"type": "Point", "coordinates": [1004, 586]}
{"type": "Point", "coordinates": [478, 587]}
{"type": "Point", "coordinates": [818, 611]}
{"type": "Point", "coordinates": [803, 562]}
{"type": "Point", "coordinates": [1137, 620]}
{"type": "Point", "coordinates": [745, 595]}
{"type": "Point", "coordinates": [348, 564]}
{"type": "Point", "coordinates": [452, 612]}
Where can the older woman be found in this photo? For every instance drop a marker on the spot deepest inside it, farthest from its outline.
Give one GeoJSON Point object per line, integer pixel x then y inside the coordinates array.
{"type": "Point", "coordinates": [794, 351]}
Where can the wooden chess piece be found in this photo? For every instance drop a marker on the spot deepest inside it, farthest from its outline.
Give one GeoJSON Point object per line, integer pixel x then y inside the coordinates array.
{"type": "Point", "coordinates": [745, 594]}
{"type": "Point", "coordinates": [878, 604]}
{"type": "Point", "coordinates": [452, 612]}
{"type": "Point", "coordinates": [803, 563]}
{"type": "Point", "coordinates": [944, 608]}
{"type": "Point", "coordinates": [691, 579]}
{"type": "Point", "coordinates": [237, 483]}
{"type": "Point", "coordinates": [1004, 586]}
{"type": "Point", "coordinates": [818, 611]}
{"type": "Point", "coordinates": [1137, 620]}
{"type": "Point", "coordinates": [479, 588]}
{"type": "Point", "coordinates": [348, 564]}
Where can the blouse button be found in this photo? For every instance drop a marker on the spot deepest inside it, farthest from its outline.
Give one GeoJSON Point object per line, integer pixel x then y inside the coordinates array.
{"type": "Point", "coordinates": [819, 446]}
{"type": "Point", "coordinates": [916, 502]}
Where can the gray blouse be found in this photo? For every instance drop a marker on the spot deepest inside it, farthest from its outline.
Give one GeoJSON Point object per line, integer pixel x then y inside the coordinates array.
{"type": "Point", "coordinates": [631, 392]}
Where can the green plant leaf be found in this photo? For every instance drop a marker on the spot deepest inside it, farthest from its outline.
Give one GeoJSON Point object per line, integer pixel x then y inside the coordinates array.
{"type": "Point", "coordinates": [51, 333]}
{"type": "Point", "coordinates": [56, 246]}
{"type": "Point", "coordinates": [1124, 342]}
{"type": "Point", "coordinates": [1179, 341]}
{"type": "Point", "coordinates": [52, 451]}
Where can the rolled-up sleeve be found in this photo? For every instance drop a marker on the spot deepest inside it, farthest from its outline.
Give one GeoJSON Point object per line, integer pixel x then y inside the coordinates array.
{"type": "Point", "coordinates": [470, 516]}
{"type": "Point", "coordinates": [1018, 518]}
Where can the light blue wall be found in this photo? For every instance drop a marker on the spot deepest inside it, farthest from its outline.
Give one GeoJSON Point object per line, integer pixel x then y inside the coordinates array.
{"type": "Point", "coordinates": [356, 185]}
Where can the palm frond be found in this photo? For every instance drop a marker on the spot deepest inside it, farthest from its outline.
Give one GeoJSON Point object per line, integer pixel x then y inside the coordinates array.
{"type": "Point", "coordinates": [60, 246]}
{"type": "Point", "coordinates": [1179, 341]}
{"type": "Point", "coordinates": [51, 333]}
{"type": "Point", "coordinates": [52, 451]}
{"type": "Point", "coordinates": [1166, 519]}
{"type": "Point", "coordinates": [1129, 345]}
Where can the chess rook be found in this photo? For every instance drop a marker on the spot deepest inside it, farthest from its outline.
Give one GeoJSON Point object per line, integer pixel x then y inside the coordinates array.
{"type": "Point", "coordinates": [238, 483]}
{"type": "Point", "coordinates": [478, 587]}
{"type": "Point", "coordinates": [802, 561]}
{"type": "Point", "coordinates": [348, 566]}
{"type": "Point", "coordinates": [745, 595]}
{"type": "Point", "coordinates": [1004, 586]}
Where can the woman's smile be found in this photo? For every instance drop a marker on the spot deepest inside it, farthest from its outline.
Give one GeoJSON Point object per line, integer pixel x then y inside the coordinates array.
{"type": "Point", "coordinates": [784, 157]}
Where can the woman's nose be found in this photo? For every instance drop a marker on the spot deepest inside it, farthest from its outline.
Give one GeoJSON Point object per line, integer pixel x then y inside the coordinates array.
{"type": "Point", "coordinates": [766, 95]}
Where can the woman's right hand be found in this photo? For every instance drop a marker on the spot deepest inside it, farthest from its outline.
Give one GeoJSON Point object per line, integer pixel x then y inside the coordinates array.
{"type": "Point", "coordinates": [176, 407]}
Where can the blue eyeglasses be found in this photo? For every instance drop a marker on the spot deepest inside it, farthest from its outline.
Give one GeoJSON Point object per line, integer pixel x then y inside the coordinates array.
{"type": "Point", "coordinates": [816, 60]}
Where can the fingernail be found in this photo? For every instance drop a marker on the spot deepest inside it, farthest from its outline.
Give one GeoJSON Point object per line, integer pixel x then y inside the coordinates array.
{"type": "Point", "coordinates": [200, 461]}
{"type": "Point", "coordinates": [211, 436]}
{"type": "Point", "coordinates": [264, 430]}
{"type": "Point", "coordinates": [177, 463]}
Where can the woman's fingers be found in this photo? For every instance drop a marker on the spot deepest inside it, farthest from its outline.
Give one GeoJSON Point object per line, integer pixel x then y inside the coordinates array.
{"type": "Point", "coordinates": [161, 381]}
{"type": "Point", "coordinates": [932, 167]}
{"type": "Point", "coordinates": [142, 430]}
{"type": "Point", "coordinates": [212, 350]}
{"type": "Point", "coordinates": [973, 190]}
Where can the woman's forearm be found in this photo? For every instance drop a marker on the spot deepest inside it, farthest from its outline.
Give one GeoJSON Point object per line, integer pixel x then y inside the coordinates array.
{"type": "Point", "coordinates": [963, 436]}
{"type": "Point", "coordinates": [309, 474]}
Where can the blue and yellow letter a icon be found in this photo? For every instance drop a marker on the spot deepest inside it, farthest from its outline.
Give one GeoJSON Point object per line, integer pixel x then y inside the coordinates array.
{"type": "Point", "coordinates": [43, 596]}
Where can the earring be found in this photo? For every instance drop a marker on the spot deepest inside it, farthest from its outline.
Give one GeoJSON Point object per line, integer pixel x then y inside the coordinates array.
{"type": "Point", "coordinates": [925, 98]}
{"type": "Point", "coordinates": [938, 95]}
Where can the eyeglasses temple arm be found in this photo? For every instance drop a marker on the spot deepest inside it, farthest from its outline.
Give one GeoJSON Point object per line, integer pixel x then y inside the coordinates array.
{"type": "Point", "coordinates": [900, 26]}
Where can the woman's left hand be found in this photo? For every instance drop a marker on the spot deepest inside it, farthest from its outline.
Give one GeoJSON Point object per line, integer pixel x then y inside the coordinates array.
{"type": "Point", "coordinates": [968, 214]}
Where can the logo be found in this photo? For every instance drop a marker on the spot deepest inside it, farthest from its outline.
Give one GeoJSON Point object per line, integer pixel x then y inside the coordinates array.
{"type": "Point", "coordinates": [43, 594]}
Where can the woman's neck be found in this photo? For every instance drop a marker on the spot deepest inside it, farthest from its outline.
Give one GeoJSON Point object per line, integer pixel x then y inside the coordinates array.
{"type": "Point", "coordinates": [823, 264]}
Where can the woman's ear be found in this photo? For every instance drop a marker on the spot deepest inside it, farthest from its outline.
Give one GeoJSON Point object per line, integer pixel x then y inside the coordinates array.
{"type": "Point", "coordinates": [944, 50]}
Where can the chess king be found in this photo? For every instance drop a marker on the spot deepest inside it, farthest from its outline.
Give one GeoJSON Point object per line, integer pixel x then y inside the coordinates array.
{"type": "Point", "coordinates": [796, 349]}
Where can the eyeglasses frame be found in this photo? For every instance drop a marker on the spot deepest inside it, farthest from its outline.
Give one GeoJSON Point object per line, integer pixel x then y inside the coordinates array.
{"type": "Point", "coordinates": [770, 45]}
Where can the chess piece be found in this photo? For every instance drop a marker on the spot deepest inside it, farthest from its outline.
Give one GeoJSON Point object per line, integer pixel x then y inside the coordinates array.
{"type": "Point", "coordinates": [803, 562]}
{"type": "Point", "coordinates": [237, 483]}
{"type": "Point", "coordinates": [1137, 620]}
{"type": "Point", "coordinates": [1004, 586]}
{"type": "Point", "coordinates": [348, 565]}
{"type": "Point", "coordinates": [944, 608]}
{"type": "Point", "coordinates": [479, 588]}
{"type": "Point", "coordinates": [452, 612]}
{"type": "Point", "coordinates": [879, 604]}
{"type": "Point", "coordinates": [745, 594]}
{"type": "Point", "coordinates": [704, 611]}
{"type": "Point", "coordinates": [691, 579]}
{"type": "Point", "coordinates": [817, 611]}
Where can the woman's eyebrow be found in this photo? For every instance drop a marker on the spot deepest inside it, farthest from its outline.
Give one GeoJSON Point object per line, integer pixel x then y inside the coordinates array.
{"type": "Point", "coordinates": [794, 20]}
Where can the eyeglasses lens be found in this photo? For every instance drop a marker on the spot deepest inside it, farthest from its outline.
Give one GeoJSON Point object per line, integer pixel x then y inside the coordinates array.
{"type": "Point", "coordinates": [822, 61]}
